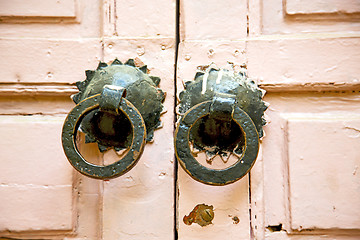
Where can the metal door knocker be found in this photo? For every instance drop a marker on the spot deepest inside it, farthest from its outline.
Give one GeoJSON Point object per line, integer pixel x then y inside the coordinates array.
{"type": "Point", "coordinates": [118, 106]}
{"type": "Point", "coordinates": [221, 115]}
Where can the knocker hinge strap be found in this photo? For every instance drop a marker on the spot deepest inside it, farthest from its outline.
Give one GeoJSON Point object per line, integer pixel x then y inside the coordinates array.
{"type": "Point", "coordinates": [222, 106]}
{"type": "Point", "coordinates": [111, 97]}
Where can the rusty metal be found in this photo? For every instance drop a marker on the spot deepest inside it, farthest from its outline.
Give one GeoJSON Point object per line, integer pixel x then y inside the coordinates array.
{"type": "Point", "coordinates": [202, 214]}
{"type": "Point", "coordinates": [118, 168]}
{"type": "Point", "coordinates": [118, 106]}
{"type": "Point", "coordinates": [208, 175]}
{"type": "Point", "coordinates": [110, 130]}
{"type": "Point", "coordinates": [221, 114]}
{"type": "Point", "coordinates": [236, 220]}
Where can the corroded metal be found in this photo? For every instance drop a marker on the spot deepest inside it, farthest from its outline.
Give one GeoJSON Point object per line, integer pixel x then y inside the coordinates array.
{"type": "Point", "coordinates": [221, 114]}
{"type": "Point", "coordinates": [118, 168]}
{"type": "Point", "coordinates": [118, 107]}
{"type": "Point", "coordinates": [202, 214]}
{"type": "Point", "coordinates": [111, 97]}
{"type": "Point", "coordinates": [142, 90]}
{"type": "Point", "coordinates": [208, 175]}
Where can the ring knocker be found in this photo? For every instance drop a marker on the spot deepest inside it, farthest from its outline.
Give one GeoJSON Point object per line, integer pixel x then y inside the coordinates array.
{"type": "Point", "coordinates": [117, 104]}
{"type": "Point", "coordinates": [118, 107]}
{"type": "Point", "coordinates": [227, 109]}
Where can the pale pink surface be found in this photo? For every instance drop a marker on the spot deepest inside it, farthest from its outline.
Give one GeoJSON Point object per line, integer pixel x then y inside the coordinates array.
{"type": "Point", "coordinates": [294, 49]}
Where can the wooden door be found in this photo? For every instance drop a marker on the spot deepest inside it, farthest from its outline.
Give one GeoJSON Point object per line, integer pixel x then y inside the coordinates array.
{"type": "Point", "coordinates": [305, 54]}
{"type": "Point", "coordinates": [46, 46]}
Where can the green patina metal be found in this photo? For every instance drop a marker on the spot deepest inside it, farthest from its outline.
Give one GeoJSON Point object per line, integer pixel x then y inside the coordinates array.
{"type": "Point", "coordinates": [111, 130]}
{"type": "Point", "coordinates": [222, 113]}
{"type": "Point", "coordinates": [118, 107]}
{"type": "Point", "coordinates": [71, 125]}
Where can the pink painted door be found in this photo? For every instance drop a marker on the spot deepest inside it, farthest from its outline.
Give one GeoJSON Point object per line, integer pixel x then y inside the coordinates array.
{"type": "Point", "coordinates": [46, 46]}
{"type": "Point", "coordinates": [305, 54]}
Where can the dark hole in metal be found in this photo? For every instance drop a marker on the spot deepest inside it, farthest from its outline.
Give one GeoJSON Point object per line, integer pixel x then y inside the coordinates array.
{"type": "Point", "coordinates": [209, 132]}
{"type": "Point", "coordinates": [108, 129]}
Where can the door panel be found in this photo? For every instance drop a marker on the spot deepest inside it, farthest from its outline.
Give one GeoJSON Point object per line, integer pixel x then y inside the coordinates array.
{"type": "Point", "coordinates": [304, 64]}
{"type": "Point", "coordinates": [212, 31]}
{"type": "Point", "coordinates": [57, 61]}
{"type": "Point", "coordinates": [213, 20]}
{"type": "Point", "coordinates": [39, 8]}
{"type": "Point", "coordinates": [140, 204]}
{"type": "Point", "coordinates": [36, 189]}
{"type": "Point", "coordinates": [44, 51]}
{"type": "Point", "coordinates": [294, 7]}
{"type": "Point", "coordinates": [294, 17]}
{"type": "Point", "coordinates": [230, 202]}
{"type": "Point", "coordinates": [143, 19]}
{"type": "Point", "coordinates": [305, 54]}
{"type": "Point", "coordinates": [304, 177]}
{"type": "Point", "coordinates": [334, 203]}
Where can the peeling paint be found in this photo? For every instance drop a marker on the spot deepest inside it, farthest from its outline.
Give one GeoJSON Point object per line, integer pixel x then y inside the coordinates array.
{"type": "Point", "coordinates": [202, 214]}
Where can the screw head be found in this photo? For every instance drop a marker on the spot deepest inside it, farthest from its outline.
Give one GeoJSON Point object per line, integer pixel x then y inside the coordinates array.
{"type": "Point", "coordinates": [207, 215]}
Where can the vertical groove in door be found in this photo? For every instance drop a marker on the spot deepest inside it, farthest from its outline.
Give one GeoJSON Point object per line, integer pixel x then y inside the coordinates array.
{"type": "Point", "coordinates": [251, 231]}
{"type": "Point", "coordinates": [101, 203]}
{"type": "Point", "coordinates": [101, 183]}
{"type": "Point", "coordinates": [177, 41]}
{"type": "Point", "coordinates": [250, 217]}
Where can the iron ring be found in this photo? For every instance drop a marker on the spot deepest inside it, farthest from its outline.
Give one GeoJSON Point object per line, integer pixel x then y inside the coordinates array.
{"type": "Point", "coordinates": [113, 170]}
{"type": "Point", "coordinates": [202, 173]}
